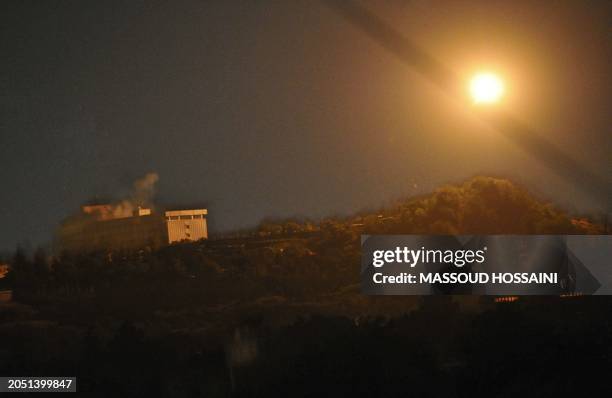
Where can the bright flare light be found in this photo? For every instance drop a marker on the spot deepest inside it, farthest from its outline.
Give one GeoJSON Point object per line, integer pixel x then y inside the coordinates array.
{"type": "Point", "coordinates": [486, 88]}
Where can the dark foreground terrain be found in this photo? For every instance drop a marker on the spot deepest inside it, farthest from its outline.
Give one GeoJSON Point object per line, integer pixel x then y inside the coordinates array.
{"type": "Point", "coordinates": [277, 312]}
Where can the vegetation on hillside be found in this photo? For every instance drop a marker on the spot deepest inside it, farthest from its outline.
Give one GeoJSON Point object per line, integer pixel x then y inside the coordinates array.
{"type": "Point", "coordinates": [280, 306]}
{"type": "Point", "coordinates": [280, 261]}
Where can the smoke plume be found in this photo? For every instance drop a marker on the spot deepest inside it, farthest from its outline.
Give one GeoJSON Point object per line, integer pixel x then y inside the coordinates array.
{"type": "Point", "coordinates": [144, 189]}
{"type": "Point", "coordinates": [142, 196]}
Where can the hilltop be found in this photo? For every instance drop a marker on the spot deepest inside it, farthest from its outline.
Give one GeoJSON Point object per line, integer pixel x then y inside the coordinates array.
{"type": "Point", "coordinates": [268, 297]}
{"type": "Point", "coordinates": [293, 267]}
{"type": "Point", "coordinates": [480, 205]}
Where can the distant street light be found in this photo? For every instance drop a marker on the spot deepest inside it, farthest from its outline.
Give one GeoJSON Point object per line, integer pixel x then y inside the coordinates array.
{"type": "Point", "coordinates": [486, 88]}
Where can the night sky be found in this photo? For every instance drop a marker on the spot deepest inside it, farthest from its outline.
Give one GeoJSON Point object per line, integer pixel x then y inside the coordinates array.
{"type": "Point", "coordinates": [282, 108]}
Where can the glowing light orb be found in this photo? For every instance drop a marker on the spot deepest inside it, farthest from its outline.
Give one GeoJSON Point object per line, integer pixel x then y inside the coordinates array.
{"type": "Point", "coordinates": [486, 88]}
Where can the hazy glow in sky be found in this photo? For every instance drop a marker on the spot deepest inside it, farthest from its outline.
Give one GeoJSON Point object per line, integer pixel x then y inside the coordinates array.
{"type": "Point", "coordinates": [284, 109]}
{"type": "Point", "coordinates": [486, 88]}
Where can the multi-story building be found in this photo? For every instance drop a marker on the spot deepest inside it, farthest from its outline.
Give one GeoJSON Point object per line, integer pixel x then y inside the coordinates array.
{"type": "Point", "coordinates": [103, 227]}
{"type": "Point", "coordinates": [186, 225]}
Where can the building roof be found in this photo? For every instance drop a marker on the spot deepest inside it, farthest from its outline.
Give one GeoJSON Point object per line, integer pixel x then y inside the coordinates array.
{"type": "Point", "coordinates": [190, 212]}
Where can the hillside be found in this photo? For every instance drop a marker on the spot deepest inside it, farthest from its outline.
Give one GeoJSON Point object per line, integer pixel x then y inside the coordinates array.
{"type": "Point", "coordinates": [280, 305]}
{"type": "Point", "coordinates": [302, 267]}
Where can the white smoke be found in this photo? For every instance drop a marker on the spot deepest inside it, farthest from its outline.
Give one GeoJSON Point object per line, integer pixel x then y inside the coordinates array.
{"type": "Point", "coordinates": [144, 190]}
{"type": "Point", "coordinates": [141, 196]}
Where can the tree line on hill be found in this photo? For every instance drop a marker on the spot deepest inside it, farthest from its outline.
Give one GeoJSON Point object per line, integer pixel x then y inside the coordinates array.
{"type": "Point", "coordinates": [277, 311]}
{"type": "Point", "coordinates": [314, 258]}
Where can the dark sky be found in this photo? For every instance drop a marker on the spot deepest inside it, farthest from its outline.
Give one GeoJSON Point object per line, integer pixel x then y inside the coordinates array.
{"type": "Point", "coordinates": [281, 108]}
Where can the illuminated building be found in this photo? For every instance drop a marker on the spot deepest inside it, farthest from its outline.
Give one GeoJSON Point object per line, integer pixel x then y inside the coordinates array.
{"type": "Point", "coordinates": [122, 227]}
{"type": "Point", "coordinates": [186, 225]}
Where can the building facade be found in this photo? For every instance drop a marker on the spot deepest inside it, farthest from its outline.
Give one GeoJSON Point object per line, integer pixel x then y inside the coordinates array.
{"type": "Point", "coordinates": [186, 225]}
{"type": "Point", "coordinates": [99, 227]}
